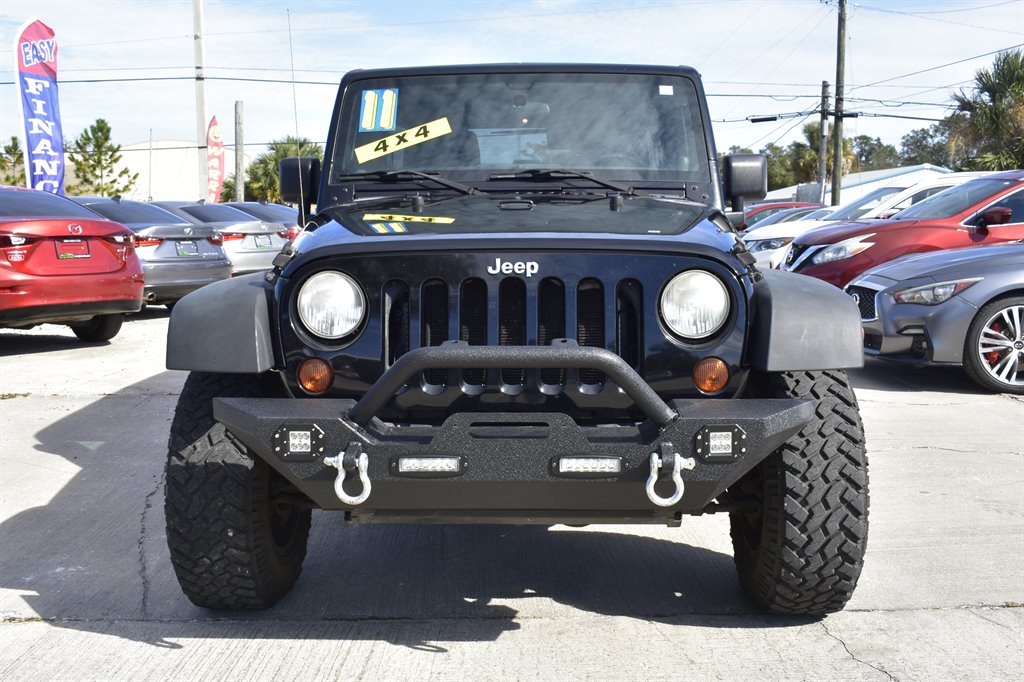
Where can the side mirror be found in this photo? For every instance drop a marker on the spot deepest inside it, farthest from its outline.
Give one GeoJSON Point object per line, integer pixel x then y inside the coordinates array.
{"type": "Point", "coordinates": [299, 179]}
{"type": "Point", "coordinates": [999, 215]}
{"type": "Point", "coordinates": [744, 176]}
{"type": "Point", "coordinates": [888, 213]}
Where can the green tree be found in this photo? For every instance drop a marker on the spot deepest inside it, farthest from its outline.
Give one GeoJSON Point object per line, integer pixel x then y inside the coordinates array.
{"type": "Point", "coordinates": [780, 174]}
{"type": "Point", "coordinates": [262, 175]}
{"type": "Point", "coordinates": [928, 145]}
{"type": "Point", "coordinates": [12, 163]}
{"type": "Point", "coordinates": [95, 159]}
{"type": "Point", "coordinates": [870, 153]}
{"type": "Point", "coordinates": [987, 127]}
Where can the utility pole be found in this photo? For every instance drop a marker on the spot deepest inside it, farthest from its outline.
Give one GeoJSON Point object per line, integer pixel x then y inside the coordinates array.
{"type": "Point", "coordinates": [837, 136]}
{"type": "Point", "coordinates": [823, 142]}
{"type": "Point", "coordinates": [239, 154]}
{"type": "Point", "coordinates": [201, 152]}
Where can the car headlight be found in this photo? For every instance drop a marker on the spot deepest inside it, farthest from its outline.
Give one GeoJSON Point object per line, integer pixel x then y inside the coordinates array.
{"type": "Point", "coordinates": [844, 249]}
{"type": "Point", "coordinates": [933, 294]}
{"type": "Point", "coordinates": [695, 304]}
{"type": "Point", "coordinates": [757, 245]}
{"type": "Point", "coordinates": [330, 304]}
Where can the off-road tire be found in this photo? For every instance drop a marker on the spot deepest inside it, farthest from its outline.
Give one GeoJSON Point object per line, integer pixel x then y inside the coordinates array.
{"type": "Point", "coordinates": [231, 547]}
{"type": "Point", "coordinates": [974, 364]}
{"type": "Point", "coordinates": [800, 548]}
{"type": "Point", "coordinates": [99, 328]}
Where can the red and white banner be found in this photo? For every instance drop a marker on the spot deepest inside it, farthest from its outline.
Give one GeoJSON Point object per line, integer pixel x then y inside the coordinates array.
{"type": "Point", "coordinates": [214, 161]}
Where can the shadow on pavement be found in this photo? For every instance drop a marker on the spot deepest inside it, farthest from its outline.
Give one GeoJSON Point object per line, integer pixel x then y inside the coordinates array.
{"type": "Point", "coordinates": [94, 557]}
{"type": "Point", "coordinates": [880, 375]}
{"type": "Point", "coordinates": [47, 338]}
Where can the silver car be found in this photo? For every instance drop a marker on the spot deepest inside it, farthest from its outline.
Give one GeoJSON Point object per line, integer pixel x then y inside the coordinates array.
{"type": "Point", "coordinates": [276, 213]}
{"type": "Point", "coordinates": [250, 243]}
{"type": "Point", "coordinates": [177, 256]}
{"type": "Point", "coordinates": [954, 307]}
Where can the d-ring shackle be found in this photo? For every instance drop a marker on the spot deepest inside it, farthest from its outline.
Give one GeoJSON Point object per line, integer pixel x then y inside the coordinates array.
{"type": "Point", "coordinates": [346, 462]}
{"type": "Point", "coordinates": [678, 464]}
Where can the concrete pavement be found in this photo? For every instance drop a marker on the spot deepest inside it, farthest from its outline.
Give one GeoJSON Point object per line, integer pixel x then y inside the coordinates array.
{"type": "Point", "coordinates": [87, 592]}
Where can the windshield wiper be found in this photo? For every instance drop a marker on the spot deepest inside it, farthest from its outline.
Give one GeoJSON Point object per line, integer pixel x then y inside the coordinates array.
{"type": "Point", "coordinates": [553, 173]}
{"type": "Point", "coordinates": [399, 175]}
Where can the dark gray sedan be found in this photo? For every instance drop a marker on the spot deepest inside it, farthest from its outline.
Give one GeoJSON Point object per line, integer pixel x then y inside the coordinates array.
{"type": "Point", "coordinates": [956, 307]}
{"type": "Point", "coordinates": [250, 243]}
{"type": "Point", "coordinates": [177, 256]}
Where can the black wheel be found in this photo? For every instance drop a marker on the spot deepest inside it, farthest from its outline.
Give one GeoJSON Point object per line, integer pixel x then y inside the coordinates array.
{"type": "Point", "coordinates": [800, 548]}
{"type": "Point", "coordinates": [99, 328]}
{"type": "Point", "coordinates": [994, 349]}
{"type": "Point", "coordinates": [235, 542]}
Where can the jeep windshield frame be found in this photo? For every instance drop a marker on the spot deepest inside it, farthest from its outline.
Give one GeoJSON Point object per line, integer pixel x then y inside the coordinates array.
{"type": "Point", "coordinates": [641, 126]}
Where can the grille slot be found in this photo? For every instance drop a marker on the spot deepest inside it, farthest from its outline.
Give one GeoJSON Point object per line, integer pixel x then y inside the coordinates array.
{"type": "Point", "coordinates": [473, 324]}
{"type": "Point", "coordinates": [590, 323]}
{"type": "Point", "coordinates": [512, 323]}
{"type": "Point", "coordinates": [629, 310]}
{"type": "Point", "coordinates": [396, 316]}
{"type": "Point", "coordinates": [551, 322]}
{"type": "Point", "coordinates": [434, 324]}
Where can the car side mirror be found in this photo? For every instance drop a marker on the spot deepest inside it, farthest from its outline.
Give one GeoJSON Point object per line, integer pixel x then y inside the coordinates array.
{"type": "Point", "coordinates": [299, 179]}
{"type": "Point", "coordinates": [999, 215]}
{"type": "Point", "coordinates": [888, 213]}
{"type": "Point", "coordinates": [744, 176]}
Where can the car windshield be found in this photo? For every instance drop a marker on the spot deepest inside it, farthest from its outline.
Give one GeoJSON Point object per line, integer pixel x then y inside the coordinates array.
{"type": "Point", "coordinates": [24, 203]}
{"type": "Point", "coordinates": [468, 126]}
{"type": "Point", "coordinates": [856, 209]}
{"type": "Point", "coordinates": [955, 200]}
{"type": "Point", "coordinates": [135, 214]}
{"type": "Point", "coordinates": [216, 213]}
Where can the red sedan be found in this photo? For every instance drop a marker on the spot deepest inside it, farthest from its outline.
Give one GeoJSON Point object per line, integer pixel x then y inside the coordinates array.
{"type": "Point", "coordinates": [987, 210]}
{"type": "Point", "coordinates": [61, 263]}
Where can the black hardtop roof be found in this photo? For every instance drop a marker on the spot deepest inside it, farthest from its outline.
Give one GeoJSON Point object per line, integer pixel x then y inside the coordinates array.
{"type": "Point", "coordinates": [522, 67]}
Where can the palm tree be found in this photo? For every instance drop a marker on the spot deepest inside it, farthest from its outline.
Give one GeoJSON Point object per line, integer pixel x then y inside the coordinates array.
{"type": "Point", "coordinates": [988, 125]}
{"type": "Point", "coordinates": [262, 175]}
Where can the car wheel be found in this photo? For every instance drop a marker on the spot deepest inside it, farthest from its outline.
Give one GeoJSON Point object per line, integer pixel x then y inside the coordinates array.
{"type": "Point", "coordinates": [236, 536]}
{"type": "Point", "coordinates": [99, 328]}
{"type": "Point", "coordinates": [994, 350]}
{"type": "Point", "coordinates": [801, 529]}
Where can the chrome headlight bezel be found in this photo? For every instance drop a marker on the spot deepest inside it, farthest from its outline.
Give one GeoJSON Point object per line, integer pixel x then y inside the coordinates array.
{"type": "Point", "coordinates": [330, 305]}
{"type": "Point", "coordinates": [686, 295]}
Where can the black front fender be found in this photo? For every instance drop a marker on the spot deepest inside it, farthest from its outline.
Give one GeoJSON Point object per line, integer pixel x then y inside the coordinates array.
{"type": "Point", "coordinates": [223, 327]}
{"type": "Point", "coordinates": [803, 323]}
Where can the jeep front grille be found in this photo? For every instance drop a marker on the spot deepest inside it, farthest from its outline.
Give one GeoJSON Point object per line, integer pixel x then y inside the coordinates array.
{"type": "Point", "coordinates": [422, 316]}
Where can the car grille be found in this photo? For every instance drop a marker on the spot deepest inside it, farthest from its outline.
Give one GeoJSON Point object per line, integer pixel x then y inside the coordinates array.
{"type": "Point", "coordinates": [865, 299]}
{"type": "Point", "coordinates": [547, 313]}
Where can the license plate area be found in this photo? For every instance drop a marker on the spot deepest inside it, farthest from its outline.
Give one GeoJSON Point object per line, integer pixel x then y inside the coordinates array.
{"type": "Point", "coordinates": [69, 249]}
{"type": "Point", "coordinates": [263, 241]}
{"type": "Point", "coordinates": [187, 248]}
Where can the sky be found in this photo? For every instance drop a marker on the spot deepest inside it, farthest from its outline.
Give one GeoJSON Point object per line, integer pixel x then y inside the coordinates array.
{"type": "Point", "coordinates": [904, 58]}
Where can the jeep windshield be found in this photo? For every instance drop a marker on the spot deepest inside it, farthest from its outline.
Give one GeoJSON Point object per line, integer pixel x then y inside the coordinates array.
{"type": "Point", "coordinates": [485, 128]}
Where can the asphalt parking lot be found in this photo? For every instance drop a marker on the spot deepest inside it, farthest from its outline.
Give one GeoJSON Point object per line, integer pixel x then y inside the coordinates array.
{"type": "Point", "coordinates": [87, 592]}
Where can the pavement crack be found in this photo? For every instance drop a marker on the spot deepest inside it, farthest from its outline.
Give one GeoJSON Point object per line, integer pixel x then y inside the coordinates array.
{"type": "Point", "coordinates": [885, 672]}
{"type": "Point", "coordinates": [994, 622]}
{"type": "Point", "coordinates": [143, 576]}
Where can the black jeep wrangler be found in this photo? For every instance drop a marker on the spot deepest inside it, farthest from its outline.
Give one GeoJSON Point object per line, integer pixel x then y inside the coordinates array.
{"type": "Point", "coordinates": [520, 300]}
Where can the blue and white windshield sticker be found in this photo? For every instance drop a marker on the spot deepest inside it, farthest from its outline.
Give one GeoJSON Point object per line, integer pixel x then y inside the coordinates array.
{"type": "Point", "coordinates": [378, 111]}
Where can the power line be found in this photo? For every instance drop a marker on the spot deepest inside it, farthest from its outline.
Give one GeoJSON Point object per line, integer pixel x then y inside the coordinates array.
{"type": "Point", "coordinates": [940, 66]}
{"type": "Point", "coordinates": [944, 21]}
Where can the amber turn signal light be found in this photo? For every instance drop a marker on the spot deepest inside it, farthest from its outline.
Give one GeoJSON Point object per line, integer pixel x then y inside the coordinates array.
{"type": "Point", "coordinates": [315, 375]}
{"type": "Point", "coordinates": [711, 375]}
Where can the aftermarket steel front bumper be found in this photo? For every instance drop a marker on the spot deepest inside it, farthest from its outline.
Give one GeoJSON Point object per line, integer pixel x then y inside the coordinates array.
{"type": "Point", "coordinates": [513, 467]}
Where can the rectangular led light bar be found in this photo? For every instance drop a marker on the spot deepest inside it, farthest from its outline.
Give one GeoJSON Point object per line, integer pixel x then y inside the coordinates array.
{"type": "Point", "coordinates": [429, 465]}
{"type": "Point", "coordinates": [589, 465]}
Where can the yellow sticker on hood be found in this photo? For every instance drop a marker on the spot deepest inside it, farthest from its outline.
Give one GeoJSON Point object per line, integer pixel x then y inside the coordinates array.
{"type": "Point", "coordinates": [400, 141]}
{"type": "Point", "coordinates": [394, 217]}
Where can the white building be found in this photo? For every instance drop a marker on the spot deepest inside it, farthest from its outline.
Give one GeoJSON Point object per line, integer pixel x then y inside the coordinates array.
{"type": "Point", "coordinates": [169, 170]}
{"type": "Point", "coordinates": [856, 185]}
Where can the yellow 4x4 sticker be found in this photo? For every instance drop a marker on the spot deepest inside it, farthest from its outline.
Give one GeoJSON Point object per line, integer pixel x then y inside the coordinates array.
{"type": "Point", "coordinates": [394, 217]}
{"type": "Point", "coordinates": [400, 141]}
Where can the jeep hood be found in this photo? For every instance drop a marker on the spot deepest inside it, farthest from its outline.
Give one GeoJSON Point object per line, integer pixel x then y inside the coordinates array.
{"type": "Point", "coordinates": [524, 214]}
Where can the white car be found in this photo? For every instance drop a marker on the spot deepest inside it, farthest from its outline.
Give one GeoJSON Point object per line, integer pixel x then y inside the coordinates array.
{"type": "Point", "coordinates": [770, 243]}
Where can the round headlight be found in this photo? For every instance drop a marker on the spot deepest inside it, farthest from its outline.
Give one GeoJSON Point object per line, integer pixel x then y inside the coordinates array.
{"type": "Point", "coordinates": [695, 304]}
{"type": "Point", "coordinates": [331, 305]}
